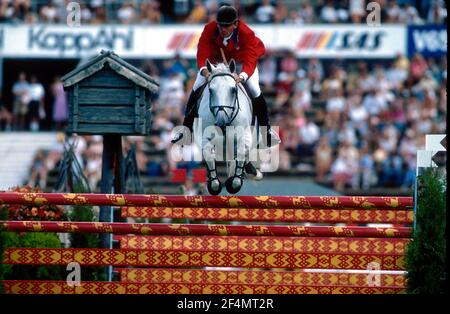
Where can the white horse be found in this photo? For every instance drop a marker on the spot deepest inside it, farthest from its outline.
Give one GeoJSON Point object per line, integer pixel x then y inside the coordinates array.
{"type": "Point", "coordinates": [224, 126]}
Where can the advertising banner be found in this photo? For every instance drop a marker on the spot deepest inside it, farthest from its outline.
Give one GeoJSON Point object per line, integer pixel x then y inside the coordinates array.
{"type": "Point", "coordinates": [163, 41]}
{"type": "Point", "coordinates": [428, 40]}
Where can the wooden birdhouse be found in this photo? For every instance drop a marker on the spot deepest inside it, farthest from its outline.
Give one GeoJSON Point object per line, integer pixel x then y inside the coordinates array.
{"type": "Point", "coordinates": [109, 96]}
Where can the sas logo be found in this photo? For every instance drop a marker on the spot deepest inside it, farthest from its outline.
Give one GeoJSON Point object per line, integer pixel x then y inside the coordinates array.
{"type": "Point", "coordinates": [183, 41]}
{"type": "Point", "coordinates": [341, 40]}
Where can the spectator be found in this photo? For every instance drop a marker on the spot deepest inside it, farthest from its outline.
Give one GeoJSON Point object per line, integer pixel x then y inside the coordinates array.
{"type": "Point", "coordinates": [86, 14]}
{"type": "Point", "coordinates": [309, 136]}
{"type": "Point", "coordinates": [93, 169]}
{"type": "Point", "coordinates": [357, 113]}
{"type": "Point", "coordinates": [392, 171]}
{"type": "Point", "coordinates": [150, 12]}
{"type": "Point", "coordinates": [347, 133]}
{"type": "Point", "coordinates": [49, 13]}
{"type": "Point", "coordinates": [294, 18]}
{"type": "Point", "coordinates": [281, 12]}
{"type": "Point", "coordinates": [127, 13]}
{"type": "Point", "coordinates": [350, 156]}
{"type": "Point", "coordinates": [389, 138]}
{"type": "Point", "coordinates": [357, 10]}
{"type": "Point", "coordinates": [340, 172]}
{"type": "Point", "coordinates": [21, 9]}
{"type": "Point", "coordinates": [437, 13]}
{"type": "Point", "coordinates": [306, 13]}
{"type": "Point", "coordinates": [36, 106]}
{"type": "Point", "coordinates": [212, 6]}
{"type": "Point", "coordinates": [410, 15]}
{"type": "Point", "coordinates": [323, 158]}
{"type": "Point", "coordinates": [418, 67]}
{"type": "Point", "coordinates": [366, 80]}
{"type": "Point", "coordinates": [291, 134]}
{"type": "Point", "coordinates": [367, 167]}
{"type": "Point", "coordinates": [198, 14]}
{"type": "Point", "coordinates": [396, 76]}
{"type": "Point", "coordinates": [55, 153]}
{"type": "Point", "coordinates": [289, 64]}
{"type": "Point", "coordinates": [265, 13]}
{"type": "Point", "coordinates": [315, 68]}
{"type": "Point", "coordinates": [402, 62]}
{"type": "Point", "coordinates": [21, 92]}
{"type": "Point", "coordinates": [393, 12]}
{"type": "Point", "coordinates": [268, 70]}
{"type": "Point", "coordinates": [6, 11]}
{"type": "Point", "coordinates": [38, 173]}
{"type": "Point", "coordinates": [60, 105]}
{"type": "Point", "coordinates": [6, 117]}
{"type": "Point", "coordinates": [172, 93]}
{"type": "Point", "coordinates": [99, 16]}
{"type": "Point", "coordinates": [328, 13]}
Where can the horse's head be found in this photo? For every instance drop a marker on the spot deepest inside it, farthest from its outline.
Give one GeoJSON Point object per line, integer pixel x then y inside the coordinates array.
{"type": "Point", "coordinates": [223, 93]}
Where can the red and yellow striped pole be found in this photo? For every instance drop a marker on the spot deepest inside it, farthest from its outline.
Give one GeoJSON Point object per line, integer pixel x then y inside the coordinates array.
{"type": "Point", "coordinates": [203, 229]}
{"type": "Point", "coordinates": [295, 202]}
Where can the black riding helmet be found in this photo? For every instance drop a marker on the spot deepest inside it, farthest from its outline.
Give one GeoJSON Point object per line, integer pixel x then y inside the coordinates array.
{"type": "Point", "coordinates": [226, 15]}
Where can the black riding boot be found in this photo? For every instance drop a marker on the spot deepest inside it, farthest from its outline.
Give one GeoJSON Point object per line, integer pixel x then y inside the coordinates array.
{"type": "Point", "coordinates": [260, 107]}
{"type": "Point", "coordinates": [191, 109]}
{"type": "Point", "coordinates": [190, 114]}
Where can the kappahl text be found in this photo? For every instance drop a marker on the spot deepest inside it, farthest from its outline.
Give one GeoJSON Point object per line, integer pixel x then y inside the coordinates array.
{"type": "Point", "coordinates": [79, 40]}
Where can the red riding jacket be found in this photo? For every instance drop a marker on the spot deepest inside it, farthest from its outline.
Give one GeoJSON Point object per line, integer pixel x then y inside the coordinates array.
{"type": "Point", "coordinates": [243, 46]}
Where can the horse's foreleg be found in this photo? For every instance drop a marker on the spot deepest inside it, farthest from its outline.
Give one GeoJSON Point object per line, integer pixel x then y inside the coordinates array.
{"type": "Point", "coordinates": [252, 163]}
{"type": "Point", "coordinates": [214, 185]}
{"type": "Point", "coordinates": [234, 183]}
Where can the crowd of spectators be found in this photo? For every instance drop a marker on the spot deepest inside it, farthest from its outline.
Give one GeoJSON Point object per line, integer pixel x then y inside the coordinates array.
{"type": "Point", "coordinates": [355, 124]}
{"type": "Point", "coordinates": [359, 123]}
{"type": "Point", "coordinates": [201, 11]}
{"type": "Point", "coordinates": [29, 108]}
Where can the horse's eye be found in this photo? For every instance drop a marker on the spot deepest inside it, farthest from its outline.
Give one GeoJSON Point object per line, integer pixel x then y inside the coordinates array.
{"type": "Point", "coordinates": [233, 89]}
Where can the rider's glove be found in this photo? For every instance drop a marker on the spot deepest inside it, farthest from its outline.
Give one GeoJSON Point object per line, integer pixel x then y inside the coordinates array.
{"type": "Point", "coordinates": [241, 77]}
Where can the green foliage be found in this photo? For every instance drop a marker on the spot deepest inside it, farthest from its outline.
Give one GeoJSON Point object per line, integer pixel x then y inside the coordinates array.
{"type": "Point", "coordinates": [426, 254]}
{"type": "Point", "coordinates": [31, 212]}
{"type": "Point", "coordinates": [83, 240]}
{"type": "Point", "coordinates": [31, 240]}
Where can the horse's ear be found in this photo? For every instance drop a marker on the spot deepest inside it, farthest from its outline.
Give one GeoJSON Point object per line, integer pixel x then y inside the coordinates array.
{"type": "Point", "coordinates": [232, 66]}
{"type": "Point", "coordinates": [208, 66]}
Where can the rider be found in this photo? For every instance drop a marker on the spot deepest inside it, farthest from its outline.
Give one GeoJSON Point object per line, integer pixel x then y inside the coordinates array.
{"type": "Point", "coordinates": [238, 42]}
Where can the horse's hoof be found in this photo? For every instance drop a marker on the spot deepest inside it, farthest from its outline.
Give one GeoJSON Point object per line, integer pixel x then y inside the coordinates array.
{"type": "Point", "coordinates": [259, 176]}
{"type": "Point", "coordinates": [233, 184]}
{"type": "Point", "coordinates": [252, 172]}
{"type": "Point", "coordinates": [250, 169]}
{"type": "Point", "coordinates": [214, 189]}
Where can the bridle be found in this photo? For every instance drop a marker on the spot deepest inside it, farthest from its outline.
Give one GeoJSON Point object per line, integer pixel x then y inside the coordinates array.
{"type": "Point", "coordinates": [223, 107]}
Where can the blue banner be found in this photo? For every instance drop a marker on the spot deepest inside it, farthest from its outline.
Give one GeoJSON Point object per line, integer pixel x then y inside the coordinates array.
{"type": "Point", "coordinates": [428, 40]}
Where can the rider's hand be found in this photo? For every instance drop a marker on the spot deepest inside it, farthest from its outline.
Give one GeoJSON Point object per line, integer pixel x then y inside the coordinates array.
{"type": "Point", "coordinates": [241, 77]}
